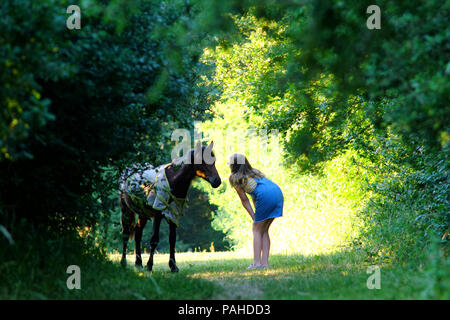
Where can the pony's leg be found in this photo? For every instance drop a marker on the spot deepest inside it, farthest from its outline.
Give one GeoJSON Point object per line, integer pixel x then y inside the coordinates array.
{"type": "Point", "coordinates": [154, 239]}
{"type": "Point", "coordinates": [172, 240]}
{"type": "Point", "coordinates": [123, 261]}
{"type": "Point", "coordinates": [138, 237]}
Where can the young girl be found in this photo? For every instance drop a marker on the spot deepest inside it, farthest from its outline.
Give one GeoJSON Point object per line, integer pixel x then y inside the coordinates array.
{"type": "Point", "coordinates": [267, 199]}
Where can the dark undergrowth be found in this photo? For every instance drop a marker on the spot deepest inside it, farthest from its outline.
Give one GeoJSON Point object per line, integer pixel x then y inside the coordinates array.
{"type": "Point", "coordinates": [35, 266]}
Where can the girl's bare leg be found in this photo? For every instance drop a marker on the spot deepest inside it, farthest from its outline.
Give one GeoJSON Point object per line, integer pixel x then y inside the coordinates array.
{"type": "Point", "coordinates": [265, 250]}
{"type": "Point", "coordinates": [258, 228]}
{"type": "Point", "coordinates": [266, 244]}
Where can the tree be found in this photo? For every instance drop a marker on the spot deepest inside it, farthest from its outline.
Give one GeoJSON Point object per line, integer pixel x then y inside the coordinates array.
{"type": "Point", "coordinates": [79, 102]}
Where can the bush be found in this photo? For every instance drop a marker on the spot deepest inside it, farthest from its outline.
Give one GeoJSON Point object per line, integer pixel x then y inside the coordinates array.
{"type": "Point", "coordinates": [410, 211]}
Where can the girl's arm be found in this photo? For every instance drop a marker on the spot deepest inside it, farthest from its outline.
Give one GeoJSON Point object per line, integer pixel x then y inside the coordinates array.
{"type": "Point", "coordinates": [245, 202]}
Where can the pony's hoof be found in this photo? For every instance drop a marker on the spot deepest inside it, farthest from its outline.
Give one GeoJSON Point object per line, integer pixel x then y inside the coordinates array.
{"type": "Point", "coordinates": [123, 262]}
{"type": "Point", "coordinates": [138, 265]}
{"type": "Point", "coordinates": [173, 267]}
{"type": "Point", "coordinates": [149, 267]}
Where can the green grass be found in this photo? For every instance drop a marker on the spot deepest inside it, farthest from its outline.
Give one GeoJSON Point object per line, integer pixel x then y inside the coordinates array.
{"type": "Point", "coordinates": [223, 275]}
{"type": "Point", "coordinates": [37, 270]}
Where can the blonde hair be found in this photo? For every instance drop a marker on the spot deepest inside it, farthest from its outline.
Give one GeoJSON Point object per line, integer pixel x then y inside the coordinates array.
{"type": "Point", "coordinates": [241, 170]}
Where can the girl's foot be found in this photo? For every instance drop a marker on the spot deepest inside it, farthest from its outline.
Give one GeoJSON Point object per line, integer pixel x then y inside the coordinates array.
{"type": "Point", "coordinates": [254, 266]}
{"type": "Point", "coordinates": [263, 266]}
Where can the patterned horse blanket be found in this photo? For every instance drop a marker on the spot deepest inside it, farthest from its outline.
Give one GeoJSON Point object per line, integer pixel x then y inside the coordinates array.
{"type": "Point", "coordinates": [148, 187]}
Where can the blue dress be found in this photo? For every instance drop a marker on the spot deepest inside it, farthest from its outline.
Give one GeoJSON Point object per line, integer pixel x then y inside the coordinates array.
{"type": "Point", "coordinates": [269, 200]}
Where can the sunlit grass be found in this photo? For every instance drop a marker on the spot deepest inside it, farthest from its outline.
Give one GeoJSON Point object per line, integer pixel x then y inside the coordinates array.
{"type": "Point", "coordinates": [206, 275]}
{"type": "Point", "coordinates": [340, 275]}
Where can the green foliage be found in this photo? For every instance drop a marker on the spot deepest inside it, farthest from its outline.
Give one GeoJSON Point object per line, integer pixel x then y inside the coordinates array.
{"type": "Point", "coordinates": [340, 102]}
{"type": "Point", "coordinates": [404, 62]}
{"type": "Point", "coordinates": [363, 117]}
{"type": "Point", "coordinates": [28, 54]}
{"type": "Point", "coordinates": [410, 210]}
{"type": "Point", "coordinates": [77, 104]}
{"type": "Point", "coordinates": [331, 81]}
{"type": "Point", "coordinates": [319, 209]}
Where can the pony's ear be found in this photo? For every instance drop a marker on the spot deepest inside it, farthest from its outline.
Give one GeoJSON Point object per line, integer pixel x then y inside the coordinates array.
{"type": "Point", "coordinates": [208, 156]}
{"type": "Point", "coordinates": [210, 146]}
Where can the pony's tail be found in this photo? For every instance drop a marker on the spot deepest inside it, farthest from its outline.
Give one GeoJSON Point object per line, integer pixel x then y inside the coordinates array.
{"type": "Point", "coordinates": [128, 218]}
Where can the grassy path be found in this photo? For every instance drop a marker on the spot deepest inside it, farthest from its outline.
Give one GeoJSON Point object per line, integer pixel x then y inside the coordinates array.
{"type": "Point", "coordinates": [223, 275]}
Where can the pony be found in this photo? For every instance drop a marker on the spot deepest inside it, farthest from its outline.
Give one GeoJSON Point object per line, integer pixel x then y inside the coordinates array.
{"type": "Point", "coordinates": [175, 179]}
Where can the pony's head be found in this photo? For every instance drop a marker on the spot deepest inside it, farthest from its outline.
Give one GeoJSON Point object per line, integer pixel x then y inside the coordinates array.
{"type": "Point", "coordinates": [204, 164]}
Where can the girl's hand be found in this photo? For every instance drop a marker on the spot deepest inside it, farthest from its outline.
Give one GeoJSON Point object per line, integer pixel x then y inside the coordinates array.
{"type": "Point", "coordinates": [245, 202]}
